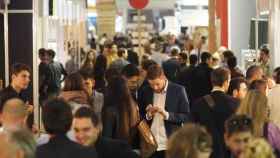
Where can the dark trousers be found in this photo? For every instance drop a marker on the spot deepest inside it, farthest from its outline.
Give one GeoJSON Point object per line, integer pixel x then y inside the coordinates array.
{"type": "Point", "coordinates": [159, 154]}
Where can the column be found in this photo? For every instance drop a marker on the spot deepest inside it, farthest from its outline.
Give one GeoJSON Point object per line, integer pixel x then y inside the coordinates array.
{"type": "Point", "coordinates": [222, 14]}
{"type": "Point", "coordinates": [106, 17]}
{"type": "Point", "coordinates": [212, 26]}
{"type": "Point", "coordinates": [274, 32]}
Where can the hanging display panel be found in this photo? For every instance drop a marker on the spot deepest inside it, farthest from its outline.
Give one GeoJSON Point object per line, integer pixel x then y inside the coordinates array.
{"type": "Point", "coordinates": [20, 39]}
{"type": "Point", "coordinates": [20, 4]}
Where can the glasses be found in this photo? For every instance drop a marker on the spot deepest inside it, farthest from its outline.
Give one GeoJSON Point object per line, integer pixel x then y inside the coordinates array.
{"type": "Point", "coordinates": [240, 122]}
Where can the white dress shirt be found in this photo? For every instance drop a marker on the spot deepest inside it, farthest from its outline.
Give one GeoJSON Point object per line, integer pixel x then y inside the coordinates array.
{"type": "Point", "coordinates": [274, 104]}
{"type": "Point", "coordinates": [158, 128]}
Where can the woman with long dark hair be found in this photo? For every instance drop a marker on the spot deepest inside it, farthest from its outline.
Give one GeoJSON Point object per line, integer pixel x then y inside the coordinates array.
{"type": "Point", "coordinates": [120, 114]}
{"type": "Point", "coordinates": [89, 61]}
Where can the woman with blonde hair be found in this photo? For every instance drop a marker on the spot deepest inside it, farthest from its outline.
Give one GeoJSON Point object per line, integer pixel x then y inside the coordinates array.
{"type": "Point", "coordinates": [255, 105]}
{"type": "Point", "coordinates": [190, 141]}
{"type": "Point", "coordinates": [258, 148]}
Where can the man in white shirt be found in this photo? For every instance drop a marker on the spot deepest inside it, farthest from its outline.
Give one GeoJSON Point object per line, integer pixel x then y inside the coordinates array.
{"type": "Point", "coordinates": [273, 100]}
{"type": "Point", "coordinates": [165, 105]}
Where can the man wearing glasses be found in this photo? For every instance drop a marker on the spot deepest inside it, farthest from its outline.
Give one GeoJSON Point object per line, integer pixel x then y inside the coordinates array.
{"type": "Point", "coordinates": [238, 133]}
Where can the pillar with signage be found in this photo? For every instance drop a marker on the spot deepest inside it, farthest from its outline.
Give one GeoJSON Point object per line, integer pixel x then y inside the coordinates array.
{"type": "Point", "coordinates": [139, 5]}
{"type": "Point", "coordinates": [106, 19]}
{"type": "Point", "coordinates": [212, 27]}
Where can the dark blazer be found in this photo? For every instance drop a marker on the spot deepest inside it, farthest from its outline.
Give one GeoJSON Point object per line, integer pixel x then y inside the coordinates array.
{"type": "Point", "coordinates": [176, 104]}
{"type": "Point", "coordinates": [214, 118]}
{"type": "Point", "coordinates": [112, 148]}
{"type": "Point", "coordinates": [171, 68]}
{"type": "Point", "coordinates": [62, 147]}
{"type": "Point", "coordinates": [201, 81]}
{"type": "Point", "coordinates": [184, 79]}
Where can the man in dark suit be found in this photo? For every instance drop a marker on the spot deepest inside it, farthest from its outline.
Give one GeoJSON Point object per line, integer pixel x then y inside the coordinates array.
{"type": "Point", "coordinates": [165, 105]}
{"type": "Point", "coordinates": [184, 77]}
{"type": "Point", "coordinates": [57, 119]}
{"type": "Point", "coordinates": [200, 81]}
{"type": "Point", "coordinates": [172, 66]}
{"type": "Point", "coordinates": [214, 109]}
{"type": "Point", "coordinates": [87, 131]}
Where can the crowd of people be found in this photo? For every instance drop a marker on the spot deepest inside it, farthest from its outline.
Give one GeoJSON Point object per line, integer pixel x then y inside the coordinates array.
{"type": "Point", "coordinates": [196, 104]}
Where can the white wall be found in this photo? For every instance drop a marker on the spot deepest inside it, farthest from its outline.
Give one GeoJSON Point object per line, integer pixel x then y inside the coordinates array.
{"type": "Point", "coordinates": [193, 2]}
{"type": "Point", "coordinates": [240, 14]}
{"type": "Point", "coordinates": [194, 18]}
{"type": "Point", "coordinates": [274, 33]}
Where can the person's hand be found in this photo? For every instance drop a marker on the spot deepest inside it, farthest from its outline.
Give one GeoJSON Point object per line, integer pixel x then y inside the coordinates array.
{"type": "Point", "coordinates": [151, 110]}
{"type": "Point", "coordinates": [30, 108]}
{"type": "Point", "coordinates": [161, 111]}
{"type": "Point", "coordinates": [35, 129]}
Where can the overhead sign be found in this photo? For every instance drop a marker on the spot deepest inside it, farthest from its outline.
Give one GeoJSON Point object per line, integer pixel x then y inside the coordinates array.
{"type": "Point", "coordinates": [138, 4]}
{"type": "Point", "coordinates": [152, 4]}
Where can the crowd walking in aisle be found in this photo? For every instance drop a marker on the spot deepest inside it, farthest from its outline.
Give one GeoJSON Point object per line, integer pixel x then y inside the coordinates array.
{"type": "Point", "coordinates": [176, 101]}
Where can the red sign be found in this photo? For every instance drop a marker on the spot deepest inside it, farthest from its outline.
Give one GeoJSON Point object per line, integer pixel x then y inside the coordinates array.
{"type": "Point", "coordinates": [138, 4]}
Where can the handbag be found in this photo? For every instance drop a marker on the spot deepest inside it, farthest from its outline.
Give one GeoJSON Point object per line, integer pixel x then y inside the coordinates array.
{"type": "Point", "coordinates": [148, 144]}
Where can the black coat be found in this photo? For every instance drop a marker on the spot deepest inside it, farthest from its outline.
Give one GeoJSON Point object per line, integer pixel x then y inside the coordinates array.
{"type": "Point", "coordinates": [110, 148]}
{"type": "Point", "coordinates": [132, 57]}
{"type": "Point", "coordinates": [184, 79]}
{"type": "Point", "coordinates": [201, 81]}
{"type": "Point", "coordinates": [176, 104]}
{"type": "Point", "coordinates": [214, 118]}
{"type": "Point", "coordinates": [171, 68]}
{"type": "Point", "coordinates": [62, 147]}
{"type": "Point", "coordinates": [112, 123]}
{"type": "Point", "coordinates": [9, 93]}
